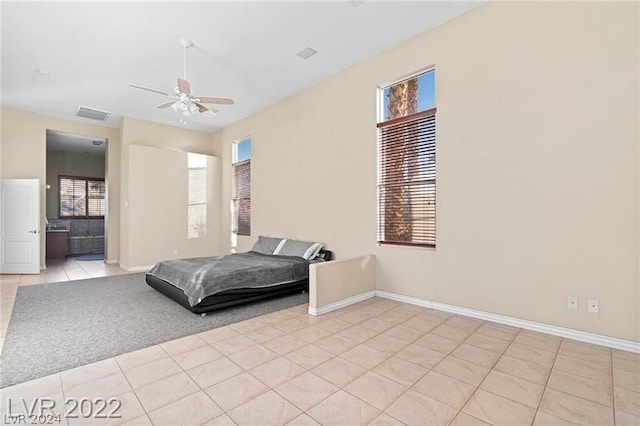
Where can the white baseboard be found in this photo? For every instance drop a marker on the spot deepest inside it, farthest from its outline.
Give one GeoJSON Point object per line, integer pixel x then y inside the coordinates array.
{"type": "Point", "coordinates": [111, 262]}
{"type": "Point", "coordinates": [341, 303]}
{"type": "Point", "coordinates": [582, 336]}
{"type": "Point", "coordinates": [136, 268]}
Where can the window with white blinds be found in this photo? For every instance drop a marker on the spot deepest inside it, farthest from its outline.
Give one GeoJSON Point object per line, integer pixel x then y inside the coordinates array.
{"type": "Point", "coordinates": [81, 196]}
{"type": "Point", "coordinates": [241, 202]}
{"type": "Point", "coordinates": [407, 164]}
{"type": "Point", "coordinates": [197, 193]}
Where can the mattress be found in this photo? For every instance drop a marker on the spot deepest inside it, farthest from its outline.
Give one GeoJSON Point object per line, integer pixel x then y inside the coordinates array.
{"type": "Point", "coordinates": [229, 298]}
{"type": "Point", "coordinates": [199, 278]}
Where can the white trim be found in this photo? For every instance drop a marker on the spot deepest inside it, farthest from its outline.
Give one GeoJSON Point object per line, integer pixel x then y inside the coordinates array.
{"type": "Point", "coordinates": [136, 268]}
{"type": "Point", "coordinates": [341, 303]}
{"type": "Point", "coordinates": [582, 336]}
{"type": "Point", "coordinates": [112, 262]}
{"type": "Point", "coordinates": [279, 246]}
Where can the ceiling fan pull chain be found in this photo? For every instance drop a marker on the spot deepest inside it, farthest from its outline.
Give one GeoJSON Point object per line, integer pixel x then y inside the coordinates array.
{"type": "Point", "coordinates": [185, 61]}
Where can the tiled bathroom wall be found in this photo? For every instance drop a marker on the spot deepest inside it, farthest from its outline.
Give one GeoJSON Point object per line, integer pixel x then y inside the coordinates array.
{"type": "Point", "coordinates": [85, 235]}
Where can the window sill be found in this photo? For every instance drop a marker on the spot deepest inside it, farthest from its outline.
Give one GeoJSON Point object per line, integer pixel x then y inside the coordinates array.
{"type": "Point", "coordinates": [406, 245]}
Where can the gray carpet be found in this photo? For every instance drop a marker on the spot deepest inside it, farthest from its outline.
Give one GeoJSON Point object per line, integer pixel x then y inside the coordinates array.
{"type": "Point", "coordinates": [58, 326]}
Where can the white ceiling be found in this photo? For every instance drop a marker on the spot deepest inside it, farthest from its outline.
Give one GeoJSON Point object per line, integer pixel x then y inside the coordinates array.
{"type": "Point", "coordinates": [69, 142]}
{"type": "Point", "coordinates": [243, 50]}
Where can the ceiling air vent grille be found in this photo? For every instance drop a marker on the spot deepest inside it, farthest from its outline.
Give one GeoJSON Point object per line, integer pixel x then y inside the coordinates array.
{"type": "Point", "coordinates": [306, 53]}
{"type": "Point", "coordinates": [93, 114]}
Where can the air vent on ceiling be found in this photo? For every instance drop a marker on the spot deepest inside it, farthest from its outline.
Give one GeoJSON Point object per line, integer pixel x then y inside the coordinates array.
{"type": "Point", "coordinates": [93, 114]}
{"type": "Point", "coordinates": [306, 53]}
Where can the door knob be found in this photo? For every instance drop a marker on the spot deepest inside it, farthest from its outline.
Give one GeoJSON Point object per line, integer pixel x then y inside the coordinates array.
{"type": "Point", "coordinates": [35, 231]}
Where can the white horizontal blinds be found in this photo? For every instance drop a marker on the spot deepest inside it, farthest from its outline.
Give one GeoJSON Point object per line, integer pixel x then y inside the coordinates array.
{"type": "Point", "coordinates": [73, 193]}
{"type": "Point", "coordinates": [95, 203]}
{"type": "Point", "coordinates": [407, 180]}
{"type": "Point", "coordinates": [197, 220]}
{"type": "Point", "coordinates": [407, 162]}
{"type": "Point", "coordinates": [242, 197]}
{"type": "Point", "coordinates": [81, 197]}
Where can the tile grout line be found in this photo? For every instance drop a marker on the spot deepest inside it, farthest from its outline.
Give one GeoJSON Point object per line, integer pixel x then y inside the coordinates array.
{"type": "Point", "coordinates": [613, 389]}
{"type": "Point", "coordinates": [544, 390]}
{"type": "Point", "coordinates": [133, 390]}
{"type": "Point", "coordinates": [383, 411]}
{"type": "Point", "coordinates": [64, 398]}
{"type": "Point", "coordinates": [340, 388]}
{"type": "Point", "coordinates": [482, 381]}
{"type": "Point", "coordinates": [575, 396]}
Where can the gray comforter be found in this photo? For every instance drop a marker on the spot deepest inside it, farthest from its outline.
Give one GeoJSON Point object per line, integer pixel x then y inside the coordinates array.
{"type": "Point", "coordinates": [204, 276]}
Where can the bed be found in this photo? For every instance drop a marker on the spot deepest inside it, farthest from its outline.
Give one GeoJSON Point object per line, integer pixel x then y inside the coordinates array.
{"type": "Point", "coordinates": [274, 267]}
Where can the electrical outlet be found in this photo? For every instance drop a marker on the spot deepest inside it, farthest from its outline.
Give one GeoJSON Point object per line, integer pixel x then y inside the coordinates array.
{"type": "Point", "coordinates": [572, 302]}
{"type": "Point", "coordinates": [594, 306]}
{"type": "Point", "coordinates": [175, 252]}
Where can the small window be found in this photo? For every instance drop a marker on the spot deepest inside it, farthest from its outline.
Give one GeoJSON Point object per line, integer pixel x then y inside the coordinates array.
{"type": "Point", "coordinates": [81, 197]}
{"type": "Point", "coordinates": [197, 209]}
{"type": "Point", "coordinates": [407, 162]}
{"type": "Point", "coordinates": [241, 203]}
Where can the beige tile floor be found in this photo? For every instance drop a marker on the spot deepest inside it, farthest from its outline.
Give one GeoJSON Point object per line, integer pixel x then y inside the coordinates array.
{"type": "Point", "coordinates": [377, 362]}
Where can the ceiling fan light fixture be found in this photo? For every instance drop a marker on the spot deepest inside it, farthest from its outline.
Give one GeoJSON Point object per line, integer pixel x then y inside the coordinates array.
{"type": "Point", "coordinates": [183, 101]}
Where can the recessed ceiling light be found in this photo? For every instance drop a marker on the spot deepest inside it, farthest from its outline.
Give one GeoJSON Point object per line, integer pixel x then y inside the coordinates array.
{"type": "Point", "coordinates": [306, 53]}
{"type": "Point", "coordinates": [42, 71]}
{"type": "Point", "coordinates": [356, 3]}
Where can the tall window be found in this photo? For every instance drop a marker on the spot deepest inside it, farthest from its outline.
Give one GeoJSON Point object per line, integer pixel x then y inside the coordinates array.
{"type": "Point", "coordinates": [242, 187]}
{"type": "Point", "coordinates": [81, 197]}
{"type": "Point", "coordinates": [407, 162]}
{"type": "Point", "coordinates": [197, 213]}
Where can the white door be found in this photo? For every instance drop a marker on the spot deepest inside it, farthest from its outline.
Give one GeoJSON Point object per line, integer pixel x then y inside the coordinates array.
{"type": "Point", "coordinates": [19, 226]}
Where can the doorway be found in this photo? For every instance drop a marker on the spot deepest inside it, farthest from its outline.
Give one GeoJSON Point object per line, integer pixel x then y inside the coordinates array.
{"type": "Point", "coordinates": [76, 196]}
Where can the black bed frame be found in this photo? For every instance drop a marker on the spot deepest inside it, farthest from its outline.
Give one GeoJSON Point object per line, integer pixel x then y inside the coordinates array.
{"type": "Point", "coordinates": [230, 298]}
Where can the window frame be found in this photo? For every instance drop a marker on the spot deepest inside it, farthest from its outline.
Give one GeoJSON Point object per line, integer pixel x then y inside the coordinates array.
{"type": "Point", "coordinates": [86, 180]}
{"type": "Point", "coordinates": [428, 233]}
{"type": "Point", "coordinates": [235, 199]}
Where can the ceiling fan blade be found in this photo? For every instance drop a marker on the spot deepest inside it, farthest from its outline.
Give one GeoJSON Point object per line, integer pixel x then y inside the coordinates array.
{"type": "Point", "coordinates": [222, 101]}
{"type": "Point", "coordinates": [206, 111]}
{"type": "Point", "coordinates": [184, 86]}
{"type": "Point", "coordinates": [165, 105]}
{"type": "Point", "coordinates": [135, 86]}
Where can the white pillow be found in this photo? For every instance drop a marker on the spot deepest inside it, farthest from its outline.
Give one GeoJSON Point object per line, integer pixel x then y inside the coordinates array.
{"type": "Point", "coordinates": [304, 249]}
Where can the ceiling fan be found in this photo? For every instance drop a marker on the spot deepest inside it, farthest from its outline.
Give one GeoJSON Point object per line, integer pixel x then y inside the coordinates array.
{"type": "Point", "coordinates": [182, 99]}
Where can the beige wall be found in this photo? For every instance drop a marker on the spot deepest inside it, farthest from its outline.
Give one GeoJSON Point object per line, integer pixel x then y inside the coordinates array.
{"type": "Point", "coordinates": [149, 233]}
{"type": "Point", "coordinates": [157, 214]}
{"type": "Point", "coordinates": [23, 147]}
{"type": "Point", "coordinates": [537, 164]}
{"type": "Point", "coordinates": [70, 164]}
